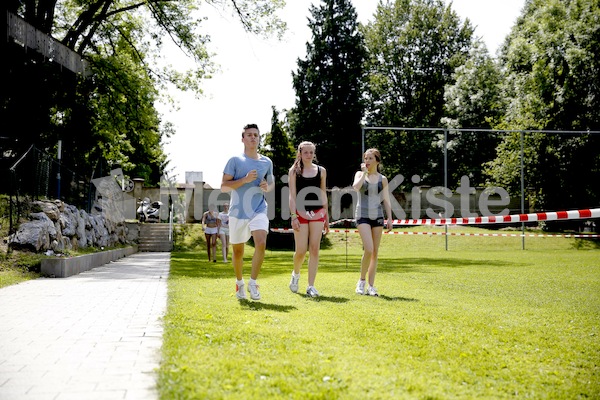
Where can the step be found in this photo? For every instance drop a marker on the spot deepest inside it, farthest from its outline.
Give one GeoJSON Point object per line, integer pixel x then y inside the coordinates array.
{"type": "Point", "coordinates": [154, 237]}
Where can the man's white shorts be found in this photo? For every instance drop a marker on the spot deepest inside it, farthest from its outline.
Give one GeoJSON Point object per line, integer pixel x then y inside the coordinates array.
{"type": "Point", "coordinates": [240, 230]}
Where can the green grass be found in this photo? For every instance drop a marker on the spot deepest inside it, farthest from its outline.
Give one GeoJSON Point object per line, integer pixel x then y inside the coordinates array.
{"type": "Point", "coordinates": [484, 319]}
{"type": "Point", "coordinates": [18, 267]}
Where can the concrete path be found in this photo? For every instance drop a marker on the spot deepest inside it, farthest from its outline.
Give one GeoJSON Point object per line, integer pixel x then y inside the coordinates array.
{"type": "Point", "coordinates": [96, 335]}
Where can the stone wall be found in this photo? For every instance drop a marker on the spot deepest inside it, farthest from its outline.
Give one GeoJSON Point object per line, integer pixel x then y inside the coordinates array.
{"type": "Point", "coordinates": [57, 226]}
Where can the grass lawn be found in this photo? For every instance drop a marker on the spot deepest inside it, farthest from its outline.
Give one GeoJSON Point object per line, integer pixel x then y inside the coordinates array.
{"type": "Point", "coordinates": [18, 267]}
{"type": "Point", "coordinates": [483, 319]}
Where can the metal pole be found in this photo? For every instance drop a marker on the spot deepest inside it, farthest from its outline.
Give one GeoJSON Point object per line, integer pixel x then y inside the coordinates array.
{"type": "Point", "coordinates": [446, 179]}
{"type": "Point", "coordinates": [346, 227]}
{"type": "Point", "coordinates": [59, 156]}
{"type": "Point", "coordinates": [362, 129]}
{"type": "Point", "coordinates": [522, 190]}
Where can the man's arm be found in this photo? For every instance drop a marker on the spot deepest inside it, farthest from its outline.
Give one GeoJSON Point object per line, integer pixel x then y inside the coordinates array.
{"type": "Point", "coordinates": [228, 184]}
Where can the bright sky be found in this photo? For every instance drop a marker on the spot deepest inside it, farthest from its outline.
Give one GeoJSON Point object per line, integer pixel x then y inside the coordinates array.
{"type": "Point", "coordinates": [256, 74]}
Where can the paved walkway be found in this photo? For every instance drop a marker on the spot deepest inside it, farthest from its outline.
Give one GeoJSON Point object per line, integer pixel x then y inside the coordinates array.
{"type": "Point", "coordinates": [96, 335]}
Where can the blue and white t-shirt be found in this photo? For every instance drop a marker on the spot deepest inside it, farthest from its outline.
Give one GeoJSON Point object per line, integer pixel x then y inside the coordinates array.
{"type": "Point", "coordinates": [248, 200]}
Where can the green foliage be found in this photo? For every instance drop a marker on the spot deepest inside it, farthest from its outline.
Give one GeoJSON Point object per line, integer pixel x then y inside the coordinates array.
{"type": "Point", "coordinates": [479, 321]}
{"type": "Point", "coordinates": [15, 266]}
{"type": "Point", "coordinates": [329, 85]}
{"type": "Point", "coordinates": [552, 61]}
{"type": "Point", "coordinates": [560, 170]}
{"type": "Point", "coordinates": [414, 47]}
{"type": "Point", "coordinates": [474, 100]}
{"type": "Point", "coordinates": [552, 69]}
{"type": "Point", "coordinates": [106, 116]}
{"type": "Point", "coordinates": [280, 150]}
{"type": "Point", "coordinates": [124, 123]}
{"type": "Point", "coordinates": [18, 267]}
{"type": "Point", "coordinates": [188, 237]}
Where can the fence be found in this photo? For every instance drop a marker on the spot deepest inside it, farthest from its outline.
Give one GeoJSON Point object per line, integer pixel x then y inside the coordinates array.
{"type": "Point", "coordinates": [37, 175]}
{"type": "Point", "coordinates": [540, 170]}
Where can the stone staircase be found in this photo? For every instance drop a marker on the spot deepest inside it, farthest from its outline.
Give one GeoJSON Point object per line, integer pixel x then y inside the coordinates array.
{"type": "Point", "coordinates": [154, 237]}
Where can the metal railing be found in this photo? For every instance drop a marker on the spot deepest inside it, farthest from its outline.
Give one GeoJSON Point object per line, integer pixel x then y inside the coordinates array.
{"type": "Point", "coordinates": [36, 175]}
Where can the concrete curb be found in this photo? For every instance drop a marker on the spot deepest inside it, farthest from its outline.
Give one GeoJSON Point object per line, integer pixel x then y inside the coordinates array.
{"type": "Point", "coordinates": [65, 267]}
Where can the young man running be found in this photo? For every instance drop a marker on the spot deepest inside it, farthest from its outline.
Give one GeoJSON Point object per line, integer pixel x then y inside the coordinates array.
{"type": "Point", "coordinates": [247, 177]}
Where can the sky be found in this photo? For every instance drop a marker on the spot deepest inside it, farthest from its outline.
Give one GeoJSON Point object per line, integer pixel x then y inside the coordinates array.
{"type": "Point", "coordinates": [256, 74]}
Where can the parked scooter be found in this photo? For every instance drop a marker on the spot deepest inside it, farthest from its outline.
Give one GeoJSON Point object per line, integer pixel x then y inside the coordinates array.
{"type": "Point", "coordinates": [149, 211]}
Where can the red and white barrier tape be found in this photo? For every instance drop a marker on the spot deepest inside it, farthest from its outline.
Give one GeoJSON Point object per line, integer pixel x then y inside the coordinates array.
{"type": "Point", "coordinates": [288, 230]}
{"type": "Point", "coordinates": [543, 216]}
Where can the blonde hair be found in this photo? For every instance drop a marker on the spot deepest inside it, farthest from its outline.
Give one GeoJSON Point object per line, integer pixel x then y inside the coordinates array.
{"type": "Point", "coordinates": [298, 166]}
{"type": "Point", "coordinates": [377, 156]}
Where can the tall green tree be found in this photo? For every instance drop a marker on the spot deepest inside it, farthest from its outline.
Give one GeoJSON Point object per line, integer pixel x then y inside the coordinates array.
{"type": "Point", "coordinates": [414, 47]}
{"type": "Point", "coordinates": [473, 100]}
{"type": "Point", "coordinates": [473, 97]}
{"type": "Point", "coordinates": [279, 148]}
{"type": "Point", "coordinates": [552, 66]}
{"type": "Point", "coordinates": [107, 116]}
{"type": "Point", "coordinates": [329, 87]}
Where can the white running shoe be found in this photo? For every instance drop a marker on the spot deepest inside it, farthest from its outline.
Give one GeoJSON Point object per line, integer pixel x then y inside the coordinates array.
{"type": "Point", "coordinates": [371, 291]}
{"type": "Point", "coordinates": [253, 289]}
{"type": "Point", "coordinates": [311, 291]}
{"type": "Point", "coordinates": [360, 287]}
{"type": "Point", "coordinates": [294, 283]}
{"type": "Point", "coordinates": [239, 291]}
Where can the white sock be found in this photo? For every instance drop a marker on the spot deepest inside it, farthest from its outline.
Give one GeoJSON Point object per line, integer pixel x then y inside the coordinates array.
{"type": "Point", "coordinates": [240, 282]}
{"type": "Point", "coordinates": [252, 282]}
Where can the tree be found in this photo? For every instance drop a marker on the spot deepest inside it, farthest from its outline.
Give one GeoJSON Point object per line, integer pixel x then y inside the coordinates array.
{"type": "Point", "coordinates": [414, 47]}
{"type": "Point", "coordinates": [552, 82]}
{"type": "Point", "coordinates": [552, 66]}
{"type": "Point", "coordinates": [279, 148]}
{"type": "Point", "coordinates": [107, 115]}
{"type": "Point", "coordinates": [473, 100]}
{"type": "Point", "coordinates": [329, 87]}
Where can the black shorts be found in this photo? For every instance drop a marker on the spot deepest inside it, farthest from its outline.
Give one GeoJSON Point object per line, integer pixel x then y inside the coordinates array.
{"type": "Point", "coordinates": [374, 223]}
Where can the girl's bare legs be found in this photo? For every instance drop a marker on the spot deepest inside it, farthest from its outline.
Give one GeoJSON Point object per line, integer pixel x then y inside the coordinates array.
{"type": "Point", "coordinates": [208, 237]}
{"type": "Point", "coordinates": [224, 246]}
{"type": "Point", "coordinates": [371, 238]}
{"type": "Point", "coordinates": [315, 231]}
{"type": "Point", "coordinates": [376, 235]}
{"type": "Point", "coordinates": [301, 241]}
{"type": "Point", "coordinates": [212, 246]}
{"type": "Point", "coordinates": [366, 236]}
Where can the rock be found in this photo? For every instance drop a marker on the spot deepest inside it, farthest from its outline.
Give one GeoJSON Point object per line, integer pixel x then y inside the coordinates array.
{"type": "Point", "coordinates": [50, 209]}
{"type": "Point", "coordinates": [56, 226]}
{"type": "Point", "coordinates": [33, 235]}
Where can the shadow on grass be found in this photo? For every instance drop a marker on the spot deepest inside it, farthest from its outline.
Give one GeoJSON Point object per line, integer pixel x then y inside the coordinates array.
{"type": "Point", "coordinates": [411, 264]}
{"type": "Point", "coordinates": [405, 265]}
{"type": "Point", "coordinates": [194, 264]}
{"type": "Point", "coordinates": [331, 299]}
{"type": "Point", "coordinates": [586, 244]}
{"type": "Point", "coordinates": [259, 306]}
{"type": "Point", "coordinates": [397, 298]}
{"type": "Point", "coordinates": [335, 299]}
